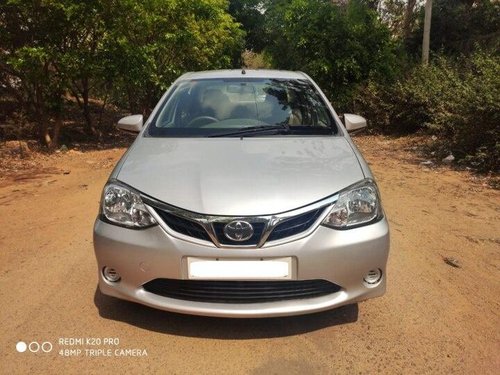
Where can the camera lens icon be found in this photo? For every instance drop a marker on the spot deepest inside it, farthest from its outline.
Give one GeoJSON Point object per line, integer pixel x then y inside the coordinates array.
{"type": "Point", "coordinates": [34, 347]}
{"type": "Point", "coordinates": [21, 346]}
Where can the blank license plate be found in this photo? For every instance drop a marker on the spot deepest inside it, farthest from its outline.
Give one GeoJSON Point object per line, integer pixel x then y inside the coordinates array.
{"type": "Point", "coordinates": [232, 269]}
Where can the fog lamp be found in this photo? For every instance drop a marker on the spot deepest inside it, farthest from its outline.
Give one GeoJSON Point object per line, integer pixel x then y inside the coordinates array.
{"type": "Point", "coordinates": [111, 275]}
{"type": "Point", "coordinates": [373, 276]}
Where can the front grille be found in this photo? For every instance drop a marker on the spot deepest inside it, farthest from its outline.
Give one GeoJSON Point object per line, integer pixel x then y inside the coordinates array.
{"type": "Point", "coordinates": [190, 227]}
{"type": "Point", "coordinates": [254, 240]}
{"type": "Point", "coordinates": [240, 291]}
{"type": "Point", "coordinates": [184, 226]}
{"type": "Point", "coordinates": [295, 225]}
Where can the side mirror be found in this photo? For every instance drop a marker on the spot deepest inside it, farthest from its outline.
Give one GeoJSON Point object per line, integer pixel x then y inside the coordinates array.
{"type": "Point", "coordinates": [354, 122]}
{"type": "Point", "coordinates": [131, 124]}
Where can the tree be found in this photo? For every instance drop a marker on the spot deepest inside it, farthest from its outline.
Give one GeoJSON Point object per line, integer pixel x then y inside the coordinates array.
{"type": "Point", "coordinates": [29, 34]}
{"type": "Point", "coordinates": [81, 53]}
{"type": "Point", "coordinates": [409, 18]}
{"type": "Point", "coordinates": [427, 32]}
{"type": "Point", "coordinates": [132, 49]}
{"type": "Point", "coordinates": [459, 26]}
{"type": "Point", "coordinates": [399, 16]}
{"type": "Point", "coordinates": [251, 15]}
{"type": "Point", "coordinates": [340, 46]}
{"type": "Point", "coordinates": [152, 42]}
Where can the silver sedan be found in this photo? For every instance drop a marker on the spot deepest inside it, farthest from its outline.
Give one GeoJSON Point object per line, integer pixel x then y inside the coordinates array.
{"type": "Point", "coordinates": [242, 196]}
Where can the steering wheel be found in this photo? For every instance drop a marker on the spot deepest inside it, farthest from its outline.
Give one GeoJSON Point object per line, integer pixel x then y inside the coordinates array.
{"type": "Point", "coordinates": [200, 119]}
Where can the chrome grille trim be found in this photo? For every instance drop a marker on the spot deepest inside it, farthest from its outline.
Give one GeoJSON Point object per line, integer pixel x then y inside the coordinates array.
{"type": "Point", "coordinates": [206, 221]}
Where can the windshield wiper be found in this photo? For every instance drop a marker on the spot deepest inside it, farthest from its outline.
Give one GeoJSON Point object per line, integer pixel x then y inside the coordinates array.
{"type": "Point", "coordinates": [251, 130]}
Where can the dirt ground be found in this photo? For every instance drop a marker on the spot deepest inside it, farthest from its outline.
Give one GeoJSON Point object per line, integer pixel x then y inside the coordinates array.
{"type": "Point", "coordinates": [434, 318]}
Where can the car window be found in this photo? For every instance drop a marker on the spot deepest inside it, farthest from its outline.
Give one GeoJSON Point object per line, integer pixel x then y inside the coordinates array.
{"type": "Point", "coordinates": [208, 106]}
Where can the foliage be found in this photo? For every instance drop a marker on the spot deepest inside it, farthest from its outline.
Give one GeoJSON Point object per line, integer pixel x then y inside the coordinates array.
{"type": "Point", "coordinates": [458, 26]}
{"type": "Point", "coordinates": [130, 50]}
{"type": "Point", "coordinates": [158, 40]}
{"type": "Point", "coordinates": [400, 16]}
{"type": "Point", "coordinates": [54, 53]}
{"type": "Point", "coordinates": [29, 41]}
{"type": "Point", "coordinates": [250, 13]}
{"type": "Point", "coordinates": [456, 99]}
{"type": "Point", "coordinates": [253, 60]}
{"type": "Point", "coordinates": [340, 46]}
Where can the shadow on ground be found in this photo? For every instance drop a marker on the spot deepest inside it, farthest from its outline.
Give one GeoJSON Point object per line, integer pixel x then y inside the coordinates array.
{"type": "Point", "coordinates": [219, 328]}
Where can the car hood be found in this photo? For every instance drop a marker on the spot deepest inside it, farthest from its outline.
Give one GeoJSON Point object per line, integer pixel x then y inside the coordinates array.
{"type": "Point", "coordinates": [240, 177]}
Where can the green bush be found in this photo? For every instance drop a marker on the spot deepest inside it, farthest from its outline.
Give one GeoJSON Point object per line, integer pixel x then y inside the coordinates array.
{"type": "Point", "coordinates": [339, 44]}
{"type": "Point", "coordinates": [456, 99]}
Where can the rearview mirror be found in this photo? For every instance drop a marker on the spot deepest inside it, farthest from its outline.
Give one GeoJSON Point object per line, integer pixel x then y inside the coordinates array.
{"type": "Point", "coordinates": [131, 124]}
{"type": "Point", "coordinates": [354, 122]}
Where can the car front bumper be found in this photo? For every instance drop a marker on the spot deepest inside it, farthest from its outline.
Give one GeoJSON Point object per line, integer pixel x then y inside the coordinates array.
{"type": "Point", "coordinates": [342, 257]}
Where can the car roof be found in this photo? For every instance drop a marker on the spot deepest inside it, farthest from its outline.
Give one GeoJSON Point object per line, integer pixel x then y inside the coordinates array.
{"type": "Point", "coordinates": [244, 73]}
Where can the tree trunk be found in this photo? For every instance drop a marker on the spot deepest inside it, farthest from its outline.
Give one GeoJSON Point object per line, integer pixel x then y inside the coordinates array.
{"type": "Point", "coordinates": [89, 127]}
{"type": "Point", "coordinates": [41, 115]}
{"type": "Point", "coordinates": [132, 106]}
{"type": "Point", "coordinates": [57, 131]}
{"type": "Point", "coordinates": [103, 107]}
{"type": "Point", "coordinates": [145, 103]}
{"type": "Point", "coordinates": [407, 22]}
{"type": "Point", "coordinates": [44, 132]}
{"type": "Point", "coordinates": [427, 32]}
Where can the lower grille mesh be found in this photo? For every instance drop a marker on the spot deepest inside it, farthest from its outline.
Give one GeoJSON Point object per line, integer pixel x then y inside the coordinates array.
{"type": "Point", "coordinates": [240, 291]}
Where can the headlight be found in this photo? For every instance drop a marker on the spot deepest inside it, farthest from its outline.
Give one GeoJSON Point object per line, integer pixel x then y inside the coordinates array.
{"type": "Point", "coordinates": [122, 206]}
{"type": "Point", "coordinates": [357, 205]}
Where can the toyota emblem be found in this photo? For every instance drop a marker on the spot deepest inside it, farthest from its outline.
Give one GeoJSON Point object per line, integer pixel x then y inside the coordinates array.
{"type": "Point", "coordinates": [238, 230]}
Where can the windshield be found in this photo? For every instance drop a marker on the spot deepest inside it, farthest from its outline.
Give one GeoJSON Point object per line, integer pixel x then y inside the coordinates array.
{"type": "Point", "coordinates": [242, 107]}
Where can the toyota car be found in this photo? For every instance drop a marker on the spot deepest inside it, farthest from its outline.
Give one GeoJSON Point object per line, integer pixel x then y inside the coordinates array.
{"type": "Point", "coordinates": [242, 196]}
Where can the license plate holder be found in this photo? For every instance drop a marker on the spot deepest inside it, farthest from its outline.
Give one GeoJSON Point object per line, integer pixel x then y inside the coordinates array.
{"type": "Point", "coordinates": [239, 269]}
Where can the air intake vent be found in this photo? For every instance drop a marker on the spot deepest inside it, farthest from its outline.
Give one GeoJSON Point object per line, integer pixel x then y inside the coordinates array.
{"type": "Point", "coordinates": [240, 291]}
